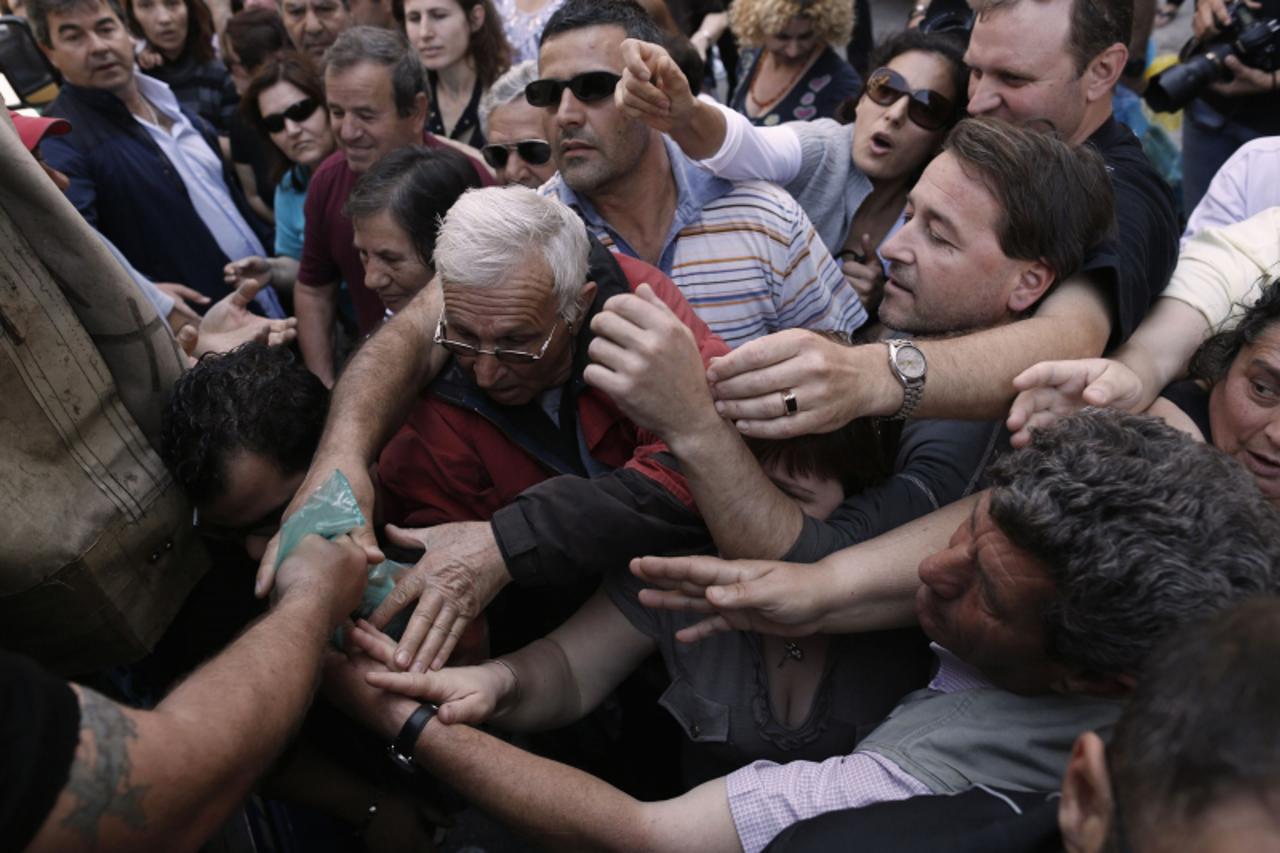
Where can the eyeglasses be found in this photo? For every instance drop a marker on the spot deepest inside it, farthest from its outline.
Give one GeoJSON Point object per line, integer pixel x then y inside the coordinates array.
{"type": "Point", "coordinates": [535, 152]}
{"type": "Point", "coordinates": [507, 356]}
{"type": "Point", "coordinates": [927, 108]}
{"type": "Point", "coordinates": [588, 87]}
{"type": "Point", "coordinates": [265, 526]}
{"type": "Point", "coordinates": [299, 112]}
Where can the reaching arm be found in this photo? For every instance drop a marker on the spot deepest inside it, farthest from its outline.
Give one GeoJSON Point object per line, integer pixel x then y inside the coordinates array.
{"type": "Point", "coordinates": [559, 806]}
{"type": "Point", "coordinates": [315, 308]}
{"type": "Point", "coordinates": [165, 779]}
{"type": "Point", "coordinates": [970, 376]}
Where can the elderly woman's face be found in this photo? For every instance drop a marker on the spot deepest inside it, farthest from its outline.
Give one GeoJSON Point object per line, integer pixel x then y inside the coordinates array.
{"type": "Point", "coordinates": [794, 43]}
{"type": "Point", "coordinates": [518, 314]}
{"type": "Point", "coordinates": [1244, 411]}
{"type": "Point", "coordinates": [887, 144]}
{"type": "Point", "coordinates": [392, 268]}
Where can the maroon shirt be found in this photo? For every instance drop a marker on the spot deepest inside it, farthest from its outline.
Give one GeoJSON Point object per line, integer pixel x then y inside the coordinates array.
{"type": "Point", "coordinates": [328, 243]}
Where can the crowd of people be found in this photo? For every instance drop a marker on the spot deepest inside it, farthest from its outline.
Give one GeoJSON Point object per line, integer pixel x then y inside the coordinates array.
{"type": "Point", "coordinates": [654, 425]}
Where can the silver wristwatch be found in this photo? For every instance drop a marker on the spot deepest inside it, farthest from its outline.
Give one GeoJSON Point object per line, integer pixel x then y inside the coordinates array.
{"type": "Point", "coordinates": [908, 364]}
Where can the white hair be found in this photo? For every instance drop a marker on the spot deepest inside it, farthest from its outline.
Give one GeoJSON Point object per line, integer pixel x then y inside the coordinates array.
{"type": "Point", "coordinates": [506, 89]}
{"type": "Point", "coordinates": [490, 232]}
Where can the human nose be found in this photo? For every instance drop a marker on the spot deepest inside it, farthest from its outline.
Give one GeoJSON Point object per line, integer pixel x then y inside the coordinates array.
{"type": "Point", "coordinates": [1272, 430]}
{"type": "Point", "coordinates": [897, 111]}
{"type": "Point", "coordinates": [984, 96]}
{"type": "Point", "coordinates": [569, 112]}
{"type": "Point", "coordinates": [487, 370]}
{"type": "Point", "coordinates": [895, 248]}
{"type": "Point", "coordinates": [311, 23]}
{"type": "Point", "coordinates": [947, 573]}
{"type": "Point", "coordinates": [348, 128]}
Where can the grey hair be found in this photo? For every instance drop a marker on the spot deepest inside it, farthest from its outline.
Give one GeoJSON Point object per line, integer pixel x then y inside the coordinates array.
{"type": "Point", "coordinates": [490, 232]}
{"type": "Point", "coordinates": [388, 48]}
{"type": "Point", "coordinates": [1141, 528]}
{"type": "Point", "coordinates": [506, 89]}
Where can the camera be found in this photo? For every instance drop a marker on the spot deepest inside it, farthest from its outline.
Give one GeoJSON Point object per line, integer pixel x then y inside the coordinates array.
{"type": "Point", "coordinates": [1253, 40]}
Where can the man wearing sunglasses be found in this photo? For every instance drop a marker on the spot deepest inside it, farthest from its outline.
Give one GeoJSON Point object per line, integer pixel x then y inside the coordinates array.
{"type": "Point", "coordinates": [518, 151]}
{"type": "Point", "coordinates": [375, 90]}
{"type": "Point", "coordinates": [744, 254]}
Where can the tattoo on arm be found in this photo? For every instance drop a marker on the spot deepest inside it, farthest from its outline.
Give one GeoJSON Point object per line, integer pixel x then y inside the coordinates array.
{"type": "Point", "coordinates": [99, 783]}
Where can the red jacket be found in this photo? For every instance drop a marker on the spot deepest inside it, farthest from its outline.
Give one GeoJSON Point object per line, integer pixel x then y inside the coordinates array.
{"type": "Point", "coordinates": [557, 512]}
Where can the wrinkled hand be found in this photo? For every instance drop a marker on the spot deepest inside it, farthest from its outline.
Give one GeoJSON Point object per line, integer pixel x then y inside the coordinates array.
{"type": "Point", "coordinates": [1054, 389]}
{"type": "Point", "coordinates": [648, 362]}
{"type": "Point", "coordinates": [230, 323]}
{"type": "Point", "coordinates": [653, 89]}
{"type": "Point", "coordinates": [830, 390]}
{"type": "Point", "coordinates": [253, 268]}
{"type": "Point", "coordinates": [325, 570]}
{"type": "Point", "coordinates": [454, 581]}
{"type": "Point", "coordinates": [765, 596]}
{"type": "Point", "coordinates": [866, 276]}
{"type": "Point", "coordinates": [1247, 80]}
{"type": "Point", "coordinates": [322, 468]}
{"type": "Point", "coordinates": [465, 694]}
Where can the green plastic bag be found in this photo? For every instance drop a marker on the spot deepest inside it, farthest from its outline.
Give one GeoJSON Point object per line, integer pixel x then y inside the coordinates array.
{"type": "Point", "coordinates": [331, 512]}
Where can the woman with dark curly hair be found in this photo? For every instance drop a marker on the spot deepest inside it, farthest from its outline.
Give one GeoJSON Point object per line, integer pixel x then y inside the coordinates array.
{"type": "Point", "coordinates": [463, 48]}
{"type": "Point", "coordinates": [180, 32]}
{"type": "Point", "coordinates": [789, 69]}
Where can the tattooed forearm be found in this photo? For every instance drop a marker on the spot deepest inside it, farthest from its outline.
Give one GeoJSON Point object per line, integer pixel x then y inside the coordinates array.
{"type": "Point", "coordinates": [99, 781]}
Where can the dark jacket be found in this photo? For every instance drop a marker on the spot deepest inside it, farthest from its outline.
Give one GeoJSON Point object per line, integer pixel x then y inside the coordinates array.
{"type": "Point", "coordinates": [564, 502]}
{"type": "Point", "coordinates": [125, 186]}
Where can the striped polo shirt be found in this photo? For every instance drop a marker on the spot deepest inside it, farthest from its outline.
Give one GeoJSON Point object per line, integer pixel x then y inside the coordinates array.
{"type": "Point", "coordinates": [744, 255]}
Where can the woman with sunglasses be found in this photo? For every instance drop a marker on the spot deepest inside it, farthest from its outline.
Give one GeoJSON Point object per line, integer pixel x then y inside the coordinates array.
{"type": "Point", "coordinates": [395, 209]}
{"type": "Point", "coordinates": [180, 34]}
{"type": "Point", "coordinates": [852, 181]}
{"type": "Point", "coordinates": [462, 46]}
{"type": "Point", "coordinates": [285, 104]}
{"type": "Point", "coordinates": [789, 71]}
{"type": "Point", "coordinates": [517, 151]}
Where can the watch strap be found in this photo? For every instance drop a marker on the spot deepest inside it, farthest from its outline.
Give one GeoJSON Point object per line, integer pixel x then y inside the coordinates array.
{"type": "Point", "coordinates": [401, 749]}
{"type": "Point", "coordinates": [913, 388]}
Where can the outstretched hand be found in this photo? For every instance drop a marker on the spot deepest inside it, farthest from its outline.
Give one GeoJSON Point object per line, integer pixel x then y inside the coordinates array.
{"type": "Point", "coordinates": [466, 694]}
{"type": "Point", "coordinates": [1054, 389]}
{"type": "Point", "coordinates": [765, 596]}
{"type": "Point", "coordinates": [230, 323]}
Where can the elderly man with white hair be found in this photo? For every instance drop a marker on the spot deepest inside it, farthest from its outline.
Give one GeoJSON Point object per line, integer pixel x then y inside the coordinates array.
{"type": "Point", "coordinates": [544, 479]}
{"type": "Point", "coordinates": [518, 150]}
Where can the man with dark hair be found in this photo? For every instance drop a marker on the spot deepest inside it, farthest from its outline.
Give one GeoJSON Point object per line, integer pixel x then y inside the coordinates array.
{"type": "Point", "coordinates": [144, 170]}
{"type": "Point", "coordinates": [239, 433]}
{"type": "Point", "coordinates": [745, 255]}
{"type": "Point", "coordinates": [1043, 611]}
{"type": "Point", "coordinates": [1193, 764]}
{"type": "Point", "coordinates": [998, 218]}
{"type": "Point", "coordinates": [376, 92]}
{"type": "Point", "coordinates": [1044, 64]}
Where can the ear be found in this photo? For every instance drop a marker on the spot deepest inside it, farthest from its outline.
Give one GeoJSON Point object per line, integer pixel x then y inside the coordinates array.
{"type": "Point", "coordinates": [476, 17]}
{"type": "Point", "coordinates": [1104, 71]}
{"type": "Point", "coordinates": [420, 107]}
{"type": "Point", "coordinates": [1034, 281]}
{"type": "Point", "coordinates": [1087, 807]}
{"type": "Point", "coordinates": [585, 298]}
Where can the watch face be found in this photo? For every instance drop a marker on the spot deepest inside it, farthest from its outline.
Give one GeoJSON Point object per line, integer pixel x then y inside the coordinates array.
{"type": "Point", "coordinates": [910, 362]}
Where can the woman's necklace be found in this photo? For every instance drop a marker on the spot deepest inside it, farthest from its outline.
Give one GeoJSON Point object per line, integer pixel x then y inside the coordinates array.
{"type": "Point", "coordinates": [764, 105]}
{"type": "Point", "coordinates": [790, 651]}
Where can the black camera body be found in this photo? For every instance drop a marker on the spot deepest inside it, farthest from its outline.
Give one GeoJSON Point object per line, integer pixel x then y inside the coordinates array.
{"type": "Point", "coordinates": [1253, 40]}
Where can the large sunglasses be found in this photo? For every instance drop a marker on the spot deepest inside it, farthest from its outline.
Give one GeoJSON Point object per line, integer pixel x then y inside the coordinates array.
{"type": "Point", "coordinates": [299, 112]}
{"type": "Point", "coordinates": [588, 87]}
{"type": "Point", "coordinates": [926, 107]}
{"type": "Point", "coordinates": [508, 356]}
{"type": "Point", "coordinates": [535, 152]}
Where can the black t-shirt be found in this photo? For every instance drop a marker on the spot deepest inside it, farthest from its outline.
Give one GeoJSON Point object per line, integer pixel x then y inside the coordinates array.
{"type": "Point", "coordinates": [1135, 263]}
{"type": "Point", "coordinates": [1192, 398]}
{"type": "Point", "coordinates": [39, 731]}
{"type": "Point", "coordinates": [249, 148]}
{"type": "Point", "coordinates": [979, 820]}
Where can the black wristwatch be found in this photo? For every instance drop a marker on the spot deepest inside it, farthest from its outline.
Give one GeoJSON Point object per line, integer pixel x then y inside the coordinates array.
{"type": "Point", "coordinates": [401, 749]}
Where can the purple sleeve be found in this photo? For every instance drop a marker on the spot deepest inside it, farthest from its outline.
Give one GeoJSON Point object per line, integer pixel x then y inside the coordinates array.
{"type": "Point", "coordinates": [765, 798]}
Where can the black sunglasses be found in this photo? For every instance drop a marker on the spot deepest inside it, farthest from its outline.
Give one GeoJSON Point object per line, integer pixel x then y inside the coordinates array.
{"type": "Point", "coordinates": [926, 108]}
{"type": "Point", "coordinates": [301, 111]}
{"type": "Point", "coordinates": [588, 87]}
{"type": "Point", "coordinates": [535, 152]}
